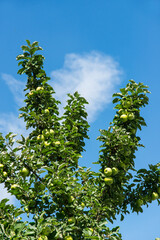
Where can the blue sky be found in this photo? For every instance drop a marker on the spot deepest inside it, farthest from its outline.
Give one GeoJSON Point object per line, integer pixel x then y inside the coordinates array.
{"type": "Point", "coordinates": [95, 47]}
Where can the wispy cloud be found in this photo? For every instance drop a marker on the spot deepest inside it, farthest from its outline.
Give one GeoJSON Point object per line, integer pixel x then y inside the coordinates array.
{"type": "Point", "coordinates": [5, 194]}
{"type": "Point", "coordinates": [94, 75]}
{"type": "Point", "coordinates": [16, 87]}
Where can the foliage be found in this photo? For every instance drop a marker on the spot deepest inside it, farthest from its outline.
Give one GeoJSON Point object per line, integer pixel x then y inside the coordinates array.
{"type": "Point", "coordinates": [64, 200]}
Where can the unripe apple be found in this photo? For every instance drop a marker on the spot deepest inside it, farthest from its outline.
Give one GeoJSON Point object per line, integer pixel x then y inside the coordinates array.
{"type": "Point", "coordinates": [1, 166]}
{"type": "Point", "coordinates": [5, 174]}
{"type": "Point", "coordinates": [70, 199]}
{"type": "Point", "coordinates": [124, 117]}
{"type": "Point", "coordinates": [38, 137]}
{"type": "Point", "coordinates": [24, 172]}
{"type": "Point", "coordinates": [82, 205]}
{"type": "Point", "coordinates": [139, 202]}
{"type": "Point", "coordinates": [31, 93]}
{"type": "Point", "coordinates": [108, 180]}
{"type": "Point", "coordinates": [39, 88]}
{"type": "Point", "coordinates": [71, 220]}
{"type": "Point", "coordinates": [26, 209]}
{"type": "Point", "coordinates": [14, 186]}
{"type": "Point", "coordinates": [46, 144]}
{"type": "Point", "coordinates": [46, 111]}
{"type": "Point", "coordinates": [91, 229]}
{"type": "Point", "coordinates": [108, 171]}
{"type": "Point", "coordinates": [127, 104]}
{"type": "Point", "coordinates": [51, 131]}
{"type": "Point", "coordinates": [131, 116]}
{"type": "Point", "coordinates": [57, 143]}
{"type": "Point", "coordinates": [68, 238]}
{"type": "Point", "coordinates": [114, 171]}
{"type": "Point", "coordinates": [155, 196]}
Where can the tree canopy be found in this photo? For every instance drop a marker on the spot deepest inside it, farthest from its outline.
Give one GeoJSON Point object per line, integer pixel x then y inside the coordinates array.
{"type": "Point", "coordinates": [42, 170]}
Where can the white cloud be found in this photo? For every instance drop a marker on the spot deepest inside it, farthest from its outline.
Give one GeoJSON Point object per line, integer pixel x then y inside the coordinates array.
{"type": "Point", "coordinates": [16, 87]}
{"type": "Point", "coordinates": [94, 75]}
{"type": "Point", "coordinates": [11, 123]}
{"type": "Point", "coordinates": [5, 194]}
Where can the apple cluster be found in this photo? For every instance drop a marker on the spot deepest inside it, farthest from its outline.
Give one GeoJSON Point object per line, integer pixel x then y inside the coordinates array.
{"type": "Point", "coordinates": [108, 173]}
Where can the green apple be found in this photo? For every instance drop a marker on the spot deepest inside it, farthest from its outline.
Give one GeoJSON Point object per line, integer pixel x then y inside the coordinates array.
{"type": "Point", "coordinates": [155, 196]}
{"type": "Point", "coordinates": [108, 180]}
{"type": "Point", "coordinates": [38, 137]}
{"type": "Point", "coordinates": [51, 131]}
{"type": "Point", "coordinates": [46, 111]}
{"type": "Point", "coordinates": [108, 171]}
{"type": "Point", "coordinates": [131, 116]}
{"type": "Point", "coordinates": [26, 209]}
{"type": "Point", "coordinates": [91, 229]}
{"type": "Point", "coordinates": [31, 93]}
{"type": "Point", "coordinates": [5, 174]}
{"type": "Point", "coordinates": [14, 186]}
{"type": "Point", "coordinates": [114, 171]}
{"type": "Point", "coordinates": [82, 205]}
{"type": "Point", "coordinates": [139, 202]}
{"type": "Point", "coordinates": [68, 238]}
{"type": "Point", "coordinates": [57, 143]}
{"type": "Point", "coordinates": [70, 199]}
{"type": "Point", "coordinates": [124, 117]}
{"type": "Point", "coordinates": [1, 166]}
{"type": "Point", "coordinates": [127, 104]}
{"type": "Point", "coordinates": [71, 220]}
{"type": "Point", "coordinates": [46, 144]}
{"type": "Point", "coordinates": [39, 88]}
{"type": "Point", "coordinates": [24, 172]}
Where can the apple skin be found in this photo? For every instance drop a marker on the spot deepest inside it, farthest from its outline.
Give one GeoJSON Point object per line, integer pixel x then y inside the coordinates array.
{"type": "Point", "coordinates": [155, 196]}
{"type": "Point", "coordinates": [114, 171]}
{"type": "Point", "coordinates": [14, 186]}
{"type": "Point", "coordinates": [71, 220]}
{"type": "Point", "coordinates": [1, 166]}
{"type": "Point", "coordinates": [124, 117]}
{"type": "Point", "coordinates": [39, 88]}
{"type": "Point", "coordinates": [46, 144]}
{"type": "Point", "coordinates": [131, 116]}
{"type": "Point", "coordinates": [71, 199]}
{"type": "Point", "coordinates": [108, 171]}
{"type": "Point", "coordinates": [5, 174]}
{"type": "Point", "coordinates": [51, 131]}
{"type": "Point", "coordinates": [68, 238]}
{"type": "Point", "coordinates": [24, 172]}
{"type": "Point", "coordinates": [127, 104]}
{"type": "Point", "coordinates": [108, 180]}
{"type": "Point", "coordinates": [82, 205]}
{"type": "Point", "coordinates": [46, 111]}
{"type": "Point", "coordinates": [139, 202]}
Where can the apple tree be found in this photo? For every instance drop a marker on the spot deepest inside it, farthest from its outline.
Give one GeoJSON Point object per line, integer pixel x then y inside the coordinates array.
{"type": "Point", "coordinates": [61, 199]}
